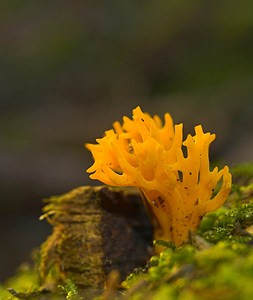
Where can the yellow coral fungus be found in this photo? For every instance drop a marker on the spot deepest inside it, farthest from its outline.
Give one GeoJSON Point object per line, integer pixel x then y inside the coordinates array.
{"type": "Point", "coordinates": [178, 188]}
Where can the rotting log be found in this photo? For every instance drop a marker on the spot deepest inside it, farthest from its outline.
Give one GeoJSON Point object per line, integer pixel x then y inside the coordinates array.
{"type": "Point", "coordinates": [95, 230]}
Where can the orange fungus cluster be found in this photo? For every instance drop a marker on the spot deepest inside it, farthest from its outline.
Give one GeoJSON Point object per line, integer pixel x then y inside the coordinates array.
{"type": "Point", "coordinates": [173, 175]}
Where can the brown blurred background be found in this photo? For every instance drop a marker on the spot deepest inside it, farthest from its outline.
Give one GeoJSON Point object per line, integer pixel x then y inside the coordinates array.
{"type": "Point", "coordinates": [68, 69]}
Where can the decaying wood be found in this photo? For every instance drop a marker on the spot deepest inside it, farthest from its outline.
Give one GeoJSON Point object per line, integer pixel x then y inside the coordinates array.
{"type": "Point", "coordinates": [95, 230]}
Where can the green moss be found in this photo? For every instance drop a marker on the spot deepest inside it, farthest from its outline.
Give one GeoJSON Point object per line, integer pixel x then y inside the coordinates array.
{"type": "Point", "coordinates": [219, 270]}
{"type": "Point", "coordinates": [70, 291]}
{"type": "Point", "coordinates": [25, 281]}
{"type": "Point", "coordinates": [25, 285]}
{"type": "Point", "coordinates": [228, 224]}
{"type": "Point", "coordinates": [243, 171]}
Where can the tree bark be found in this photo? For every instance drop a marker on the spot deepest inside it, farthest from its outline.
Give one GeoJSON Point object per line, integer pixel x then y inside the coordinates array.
{"type": "Point", "coordinates": [95, 230]}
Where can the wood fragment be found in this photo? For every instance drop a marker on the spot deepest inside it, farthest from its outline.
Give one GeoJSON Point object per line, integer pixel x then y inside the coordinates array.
{"type": "Point", "coordinates": [95, 230]}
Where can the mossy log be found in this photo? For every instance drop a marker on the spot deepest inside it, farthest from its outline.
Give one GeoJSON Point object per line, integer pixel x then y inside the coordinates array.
{"type": "Point", "coordinates": [95, 230]}
{"type": "Point", "coordinates": [216, 263]}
